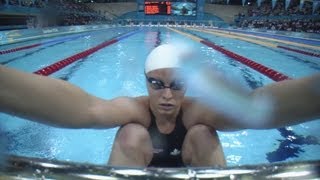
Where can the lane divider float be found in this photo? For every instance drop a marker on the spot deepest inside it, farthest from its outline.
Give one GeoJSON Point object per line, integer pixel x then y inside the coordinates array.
{"type": "Point", "coordinates": [69, 60]}
{"type": "Point", "coordinates": [310, 46]}
{"type": "Point", "coordinates": [302, 40]}
{"type": "Point", "coordinates": [19, 48]}
{"type": "Point", "coordinates": [299, 51]}
{"type": "Point", "coordinates": [55, 41]}
{"type": "Point", "coordinates": [272, 74]}
{"type": "Point", "coordinates": [256, 41]}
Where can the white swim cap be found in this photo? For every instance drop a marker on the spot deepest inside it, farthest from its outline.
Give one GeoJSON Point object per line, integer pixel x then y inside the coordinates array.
{"type": "Point", "coordinates": [163, 56]}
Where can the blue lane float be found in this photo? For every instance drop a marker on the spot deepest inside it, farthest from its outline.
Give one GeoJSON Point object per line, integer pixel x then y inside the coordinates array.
{"type": "Point", "coordinates": [46, 43]}
{"type": "Point", "coordinates": [314, 42]}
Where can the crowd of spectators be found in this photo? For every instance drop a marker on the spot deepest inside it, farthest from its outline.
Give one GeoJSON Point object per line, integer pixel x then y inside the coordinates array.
{"type": "Point", "coordinates": [24, 3]}
{"type": "Point", "coordinates": [63, 12]}
{"type": "Point", "coordinates": [70, 6]}
{"type": "Point", "coordinates": [296, 25]}
{"type": "Point", "coordinates": [265, 9]}
{"type": "Point", "coordinates": [74, 19]}
{"type": "Point", "coordinates": [293, 18]}
{"type": "Point", "coordinates": [70, 13]}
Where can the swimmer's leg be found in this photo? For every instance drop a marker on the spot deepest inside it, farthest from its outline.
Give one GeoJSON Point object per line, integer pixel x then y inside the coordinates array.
{"type": "Point", "coordinates": [202, 147]}
{"type": "Point", "coordinates": [132, 147]}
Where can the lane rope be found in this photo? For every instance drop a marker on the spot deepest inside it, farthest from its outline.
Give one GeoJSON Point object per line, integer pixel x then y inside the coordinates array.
{"type": "Point", "coordinates": [262, 38]}
{"type": "Point", "coordinates": [272, 74]}
{"type": "Point", "coordinates": [299, 51]}
{"type": "Point", "coordinates": [19, 48]}
{"type": "Point", "coordinates": [256, 41]}
{"type": "Point", "coordinates": [58, 40]}
{"type": "Point", "coordinates": [69, 60]}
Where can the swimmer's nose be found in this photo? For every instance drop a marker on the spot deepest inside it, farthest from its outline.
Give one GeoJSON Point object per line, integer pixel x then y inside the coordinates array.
{"type": "Point", "coordinates": [167, 93]}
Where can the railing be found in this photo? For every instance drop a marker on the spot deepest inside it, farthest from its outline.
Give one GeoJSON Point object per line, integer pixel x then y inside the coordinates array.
{"type": "Point", "coordinates": [25, 168]}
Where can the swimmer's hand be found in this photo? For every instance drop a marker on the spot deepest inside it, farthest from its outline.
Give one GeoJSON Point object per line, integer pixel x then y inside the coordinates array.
{"type": "Point", "coordinates": [276, 105]}
{"type": "Point", "coordinates": [230, 98]}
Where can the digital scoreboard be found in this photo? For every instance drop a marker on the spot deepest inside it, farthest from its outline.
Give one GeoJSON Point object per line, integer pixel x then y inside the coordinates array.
{"type": "Point", "coordinates": [157, 8]}
{"type": "Point", "coordinates": [170, 7]}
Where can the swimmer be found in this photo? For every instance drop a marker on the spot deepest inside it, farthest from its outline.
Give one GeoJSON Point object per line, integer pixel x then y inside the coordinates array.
{"type": "Point", "coordinates": [165, 128]}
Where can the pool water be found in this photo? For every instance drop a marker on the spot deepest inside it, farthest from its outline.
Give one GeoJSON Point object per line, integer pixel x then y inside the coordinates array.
{"type": "Point", "coordinates": [118, 70]}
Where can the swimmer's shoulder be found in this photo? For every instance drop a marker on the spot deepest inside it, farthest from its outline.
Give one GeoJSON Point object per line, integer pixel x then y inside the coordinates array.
{"type": "Point", "coordinates": [130, 109]}
{"type": "Point", "coordinates": [142, 101]}
{"type": "Point", "coordinates": [195, 112]}
{"type": "Point", "coordinates": [131, 102]}
{"type": "Point", "coordinates": [191, 111]}
{"type": "Point", "coordinates": [189, 102]}
{"type": "Point", "coordinates": [142, 105]}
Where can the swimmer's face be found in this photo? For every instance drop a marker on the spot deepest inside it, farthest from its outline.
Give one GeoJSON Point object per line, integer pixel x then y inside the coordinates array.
{"type": "Point", "coordinates": [166, 90]}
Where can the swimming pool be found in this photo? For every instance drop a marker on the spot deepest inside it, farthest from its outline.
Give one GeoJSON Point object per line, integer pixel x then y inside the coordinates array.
{"type": "Point", "coordinates": [117, 70]}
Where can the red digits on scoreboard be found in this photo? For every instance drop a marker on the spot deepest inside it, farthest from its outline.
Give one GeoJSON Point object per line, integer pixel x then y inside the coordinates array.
{"type": "Point", "coordinates": [157, 7]}
{"type": "Point", "coordinates": [168, 7]}
{"type": "Point", "coordinates": [151, 9]}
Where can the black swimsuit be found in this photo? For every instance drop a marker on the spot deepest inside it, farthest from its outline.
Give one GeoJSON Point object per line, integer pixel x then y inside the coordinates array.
{"type": "Point", "coordinates": [167, 147]}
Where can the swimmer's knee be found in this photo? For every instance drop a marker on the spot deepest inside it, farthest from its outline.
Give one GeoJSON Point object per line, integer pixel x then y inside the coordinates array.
{"type": "Point", "coordinates": [202, 147]}
{"type": "Point", "coordinates": [199, 131]}
{"type": "Point", "coordinates": [134, 137]}
{"type": "Point", "coordinates": [191, 141]}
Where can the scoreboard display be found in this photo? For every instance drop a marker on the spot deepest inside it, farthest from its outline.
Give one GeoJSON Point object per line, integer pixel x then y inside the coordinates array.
{"type": "Point", "coordinates": [157, 8]}
{"type": "Point", "coordinates": [170, 7]}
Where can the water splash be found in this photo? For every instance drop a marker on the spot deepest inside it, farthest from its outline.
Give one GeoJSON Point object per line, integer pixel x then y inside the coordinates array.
{"type": "Point", "coordinates": [225, 93]}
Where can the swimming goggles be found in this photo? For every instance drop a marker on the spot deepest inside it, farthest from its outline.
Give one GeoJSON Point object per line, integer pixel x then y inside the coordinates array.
{"type": "Point", "coordinates": [158, 84]}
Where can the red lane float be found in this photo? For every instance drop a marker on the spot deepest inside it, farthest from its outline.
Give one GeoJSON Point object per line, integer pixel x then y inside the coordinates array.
{"type": "Point", "coordinates": [299, 51]}
{"type": "Point", "coordinates": [65, 62]}
{"type": "Point", "coordinates": [272, 74]}
{"type": "Point", "coordinates": [19, 48]}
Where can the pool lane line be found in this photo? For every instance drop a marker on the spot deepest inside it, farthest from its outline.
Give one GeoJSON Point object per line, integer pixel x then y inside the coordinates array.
{"type": "Point", "coordinates": [69, 60]}
{"type": "Point", "coordinates": [19, 48]}
{"type": "Point", "coordinates": [299, 51]}
{"type": "Point", "coordinates": [12, 41]}
{"type": "Point", "coordinates": [303, 40]}
{"type": "Point", "coordinates": [272, 74]}
{"type": "Point", "coordinates": [57, 40]}
{"type": "Point", "coordinates": [316, 47]}
{"type": "Point", "coordinates": [268, 44]}
{"type": "Point", "coordinates": [261, 43]}
{"type": "Point", "coordinates": [276, 46]}
{"type": "Point", "coordinates": [234, 34]}
{"type": "Point", "coordinates": [29, 53]}
{"type": "Point", "coordinates": [67, 75]}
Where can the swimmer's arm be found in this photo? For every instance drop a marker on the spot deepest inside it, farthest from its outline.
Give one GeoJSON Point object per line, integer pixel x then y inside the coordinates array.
{"type": "Point", "coordinates": [294, 101]}
{"type": "Point", "coordinates": [58, 103]}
